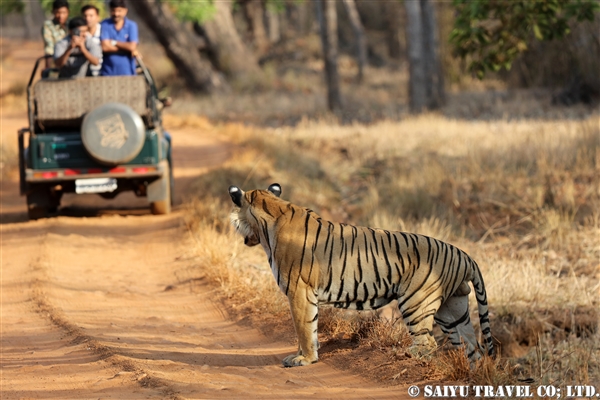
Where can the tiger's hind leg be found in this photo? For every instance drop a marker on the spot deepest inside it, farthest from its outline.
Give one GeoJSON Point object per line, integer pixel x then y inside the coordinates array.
{"type": "Point", "coordinates": [454, 320]}
{"type": "Point", "coordinates": [420, 326]}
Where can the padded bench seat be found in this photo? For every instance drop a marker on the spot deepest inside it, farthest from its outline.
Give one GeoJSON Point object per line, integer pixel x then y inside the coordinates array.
{"type": "Point", "coordinates": [64, 102]}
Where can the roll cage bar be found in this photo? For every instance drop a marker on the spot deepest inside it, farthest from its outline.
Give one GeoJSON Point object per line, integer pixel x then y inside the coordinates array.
{"type": "Point", "coordinates": [156, 117]}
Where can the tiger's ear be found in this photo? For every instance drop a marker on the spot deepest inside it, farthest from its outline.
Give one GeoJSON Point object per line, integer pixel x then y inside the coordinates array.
{"type": "Point", "coordinates": [236, 195]}
{"type": "Point", "coordinates": [275, 188]}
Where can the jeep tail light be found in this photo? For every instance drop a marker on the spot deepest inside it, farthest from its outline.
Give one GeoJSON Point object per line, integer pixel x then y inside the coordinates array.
{"type": "Point", "coordinates": [45, 175]}
{"type": "Point", "coordinates": [143, 170]}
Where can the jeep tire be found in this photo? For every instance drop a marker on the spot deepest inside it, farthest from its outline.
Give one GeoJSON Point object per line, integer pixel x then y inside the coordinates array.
{"type": "Point", "coordinates": [41, 202]}
{"type": "Point", "coordinates": [159, 191]}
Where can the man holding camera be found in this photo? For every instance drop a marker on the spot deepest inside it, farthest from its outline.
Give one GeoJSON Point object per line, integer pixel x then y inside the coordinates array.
{"type": "Point", "coordinates": [77, 51]}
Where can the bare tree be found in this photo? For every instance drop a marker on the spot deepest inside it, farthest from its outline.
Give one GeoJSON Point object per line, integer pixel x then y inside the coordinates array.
{"type": "Point", "coordinates": [273, 24]}
{"type": "Point", "coordinates": [394, 20]}
{"type": "Point", "coordinates": [254, 13]}
{"type": "Point", "coordinates": [426, 85]}
{"type": "Point", "coordinates": [417, 87]}
{"type": "Point", "coordinates": [303, 17]}
{"type": "Point", "coordinates": [232, 56]}
{"type": "Point", "coordinates": [30, 29]}
{"type": "Point", "coordinates": [327, 16]}
{"type": "Point", "coordinates": [179, 46]}
{"type": "Point", "coordinates": [435, 77]}
{"type": "Point", "coordinates": [361, 41]}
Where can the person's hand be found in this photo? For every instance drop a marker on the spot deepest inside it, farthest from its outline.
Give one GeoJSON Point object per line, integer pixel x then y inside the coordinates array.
{"type": "Point", "coordinates": [73, 43]}
{"type": "Point", "coordinates": [136, 53]}
{"type": "Point", "coordinates": [77, 41]}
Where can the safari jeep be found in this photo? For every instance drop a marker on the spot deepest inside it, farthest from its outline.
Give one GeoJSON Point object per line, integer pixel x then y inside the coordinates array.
{"type": "Point", "coordinates": [99, 135]}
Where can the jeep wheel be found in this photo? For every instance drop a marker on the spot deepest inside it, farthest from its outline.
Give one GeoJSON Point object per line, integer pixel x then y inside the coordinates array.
{"type": "Point", "coordinates": [34, 212]}
{"type": "Point", "coordinates": [41, 203]}
{"type": "Point", "coordinates": [159, 192]}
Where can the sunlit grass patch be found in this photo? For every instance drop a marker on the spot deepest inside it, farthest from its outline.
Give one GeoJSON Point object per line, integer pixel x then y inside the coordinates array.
{"type": "Point", "coordinates": [8, 160]}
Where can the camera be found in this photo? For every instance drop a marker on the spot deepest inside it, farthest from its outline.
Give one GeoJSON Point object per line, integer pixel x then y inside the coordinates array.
{"type": "Point", "coordinates": [76, 32]}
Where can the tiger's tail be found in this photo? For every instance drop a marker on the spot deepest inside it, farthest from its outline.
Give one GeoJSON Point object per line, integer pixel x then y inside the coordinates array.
{"type": "Point", "coordinates": [482, 305]}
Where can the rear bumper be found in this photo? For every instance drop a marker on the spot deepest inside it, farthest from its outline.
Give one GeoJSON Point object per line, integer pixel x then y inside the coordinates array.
{"type": "Point", "coordinates": [68, 174]}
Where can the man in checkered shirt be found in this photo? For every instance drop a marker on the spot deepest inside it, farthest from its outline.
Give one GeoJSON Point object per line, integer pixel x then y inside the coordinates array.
{"type": "Point", "coordinates": [54, 30]}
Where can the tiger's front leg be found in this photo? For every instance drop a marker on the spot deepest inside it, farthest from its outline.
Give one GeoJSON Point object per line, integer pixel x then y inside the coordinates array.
{"type": "Point", "coordinates": [305, 314]}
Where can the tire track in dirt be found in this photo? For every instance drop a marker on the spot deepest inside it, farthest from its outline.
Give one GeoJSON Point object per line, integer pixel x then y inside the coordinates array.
{"type": "Point", "coordinates": [105, 353]}
{"type": "Point", "coordinates": [54, 315]}
{"type": "Point", "coordinates": [40, 358]}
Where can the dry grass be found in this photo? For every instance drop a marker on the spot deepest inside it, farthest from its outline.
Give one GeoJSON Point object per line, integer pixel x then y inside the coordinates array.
{"type": "Point", "coordinates": [10, 102]}
{"type": "Point", "coordinates": [8, 160]}
{"type": "Point", "coordinates": [521, 197]}
{"type": "Point", "coordinates": [241, 273]}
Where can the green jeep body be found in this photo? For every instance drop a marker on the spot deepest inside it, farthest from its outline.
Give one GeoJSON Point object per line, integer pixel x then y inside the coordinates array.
{"type": "Point", "coordinates": [56, 158]}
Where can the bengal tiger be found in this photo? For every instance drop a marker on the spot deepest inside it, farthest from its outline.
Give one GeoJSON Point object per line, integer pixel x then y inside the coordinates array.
{"type": "Point", "coordinates": [317, 262]}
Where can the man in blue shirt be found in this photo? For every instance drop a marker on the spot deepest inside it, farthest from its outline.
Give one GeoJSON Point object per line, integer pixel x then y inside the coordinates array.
{"type": "Point", "coordinates": [119, 37]}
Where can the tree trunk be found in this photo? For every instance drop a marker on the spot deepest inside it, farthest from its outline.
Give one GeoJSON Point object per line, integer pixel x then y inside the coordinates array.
{"type": "Point", "coordinates": [426, 81]}
{"type": "Point", "coordinates": [361, 41]}
{"type": "Point", "coordinates": [179, 46]}
{"type": "Point", "coordinates": [393, 21]}
{"type": "Point", "coordinates": [234, 58]}
{"type": "Point", "coordinates": [303, 18]}
{"type": "Point", "coordinates": [273, 24]}
{"type": "Point", "coordinates": [32, 30]}
{"type": "Point", "coordinates": [254, 13]}
{"type": "Point", "coordinates": [205, 47]}
{"type": "Point", "coordinates": [434, 72]}
{"type": "Point", "coordinates": [327, 15]}
{"type": "Point", "coordinates": [417, 82]}
{"type": "Point", "coordinates": [38, 14]}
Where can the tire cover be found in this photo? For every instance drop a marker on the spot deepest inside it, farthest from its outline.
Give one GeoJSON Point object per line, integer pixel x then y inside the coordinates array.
{"type": "Point", "coordinates": [113, 133]}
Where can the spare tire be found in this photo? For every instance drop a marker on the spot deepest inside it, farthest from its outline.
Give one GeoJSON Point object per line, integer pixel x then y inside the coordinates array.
{"type": "Point", "coordinates": [113, 133]}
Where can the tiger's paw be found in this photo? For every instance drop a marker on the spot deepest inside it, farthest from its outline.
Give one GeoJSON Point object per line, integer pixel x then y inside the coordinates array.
{"type": "Point", "coordinates": [295, 360]}
{"type": "Point", "coordinates": [421, 352]}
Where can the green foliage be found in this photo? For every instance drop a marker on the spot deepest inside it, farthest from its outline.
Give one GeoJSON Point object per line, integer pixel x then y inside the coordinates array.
{"type": "Point", "coordinates": [193, 10]}
{"type": "Point", "coordinates": [492, 33]}
{"type": "Point", "coordinates": [186, 10]}
{"type": "Point", "coordinates": [276, 5]}
{"type": "Point", "coordinates": [75, 6]}
{"type": "Point", "coordinates": [8, 6]}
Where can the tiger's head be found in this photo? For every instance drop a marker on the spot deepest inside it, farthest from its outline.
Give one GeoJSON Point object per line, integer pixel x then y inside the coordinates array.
{"type": "Point", "coordinates": [245, 216]}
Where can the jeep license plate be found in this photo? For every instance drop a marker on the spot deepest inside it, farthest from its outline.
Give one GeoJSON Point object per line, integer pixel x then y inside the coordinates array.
{"type": "Point", "coordinates": [95, 185]}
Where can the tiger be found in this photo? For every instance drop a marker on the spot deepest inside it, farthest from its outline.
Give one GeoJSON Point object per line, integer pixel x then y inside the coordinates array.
{"type": "Point", "coordinates": [316, 262]}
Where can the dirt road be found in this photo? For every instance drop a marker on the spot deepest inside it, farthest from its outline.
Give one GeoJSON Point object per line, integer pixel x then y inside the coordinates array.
{"type": "Point", "coordinates": [95, 304]}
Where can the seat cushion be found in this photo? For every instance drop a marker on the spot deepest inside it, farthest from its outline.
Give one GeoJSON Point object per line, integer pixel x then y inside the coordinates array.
{"type": "Point", "coordinates": [69, 100]}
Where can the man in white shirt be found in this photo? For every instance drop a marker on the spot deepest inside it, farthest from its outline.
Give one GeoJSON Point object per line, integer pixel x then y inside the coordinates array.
{"type": "Point", "coordinates": [77, 51]}
{"type": "Point", "coordinates": [91, 14]}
